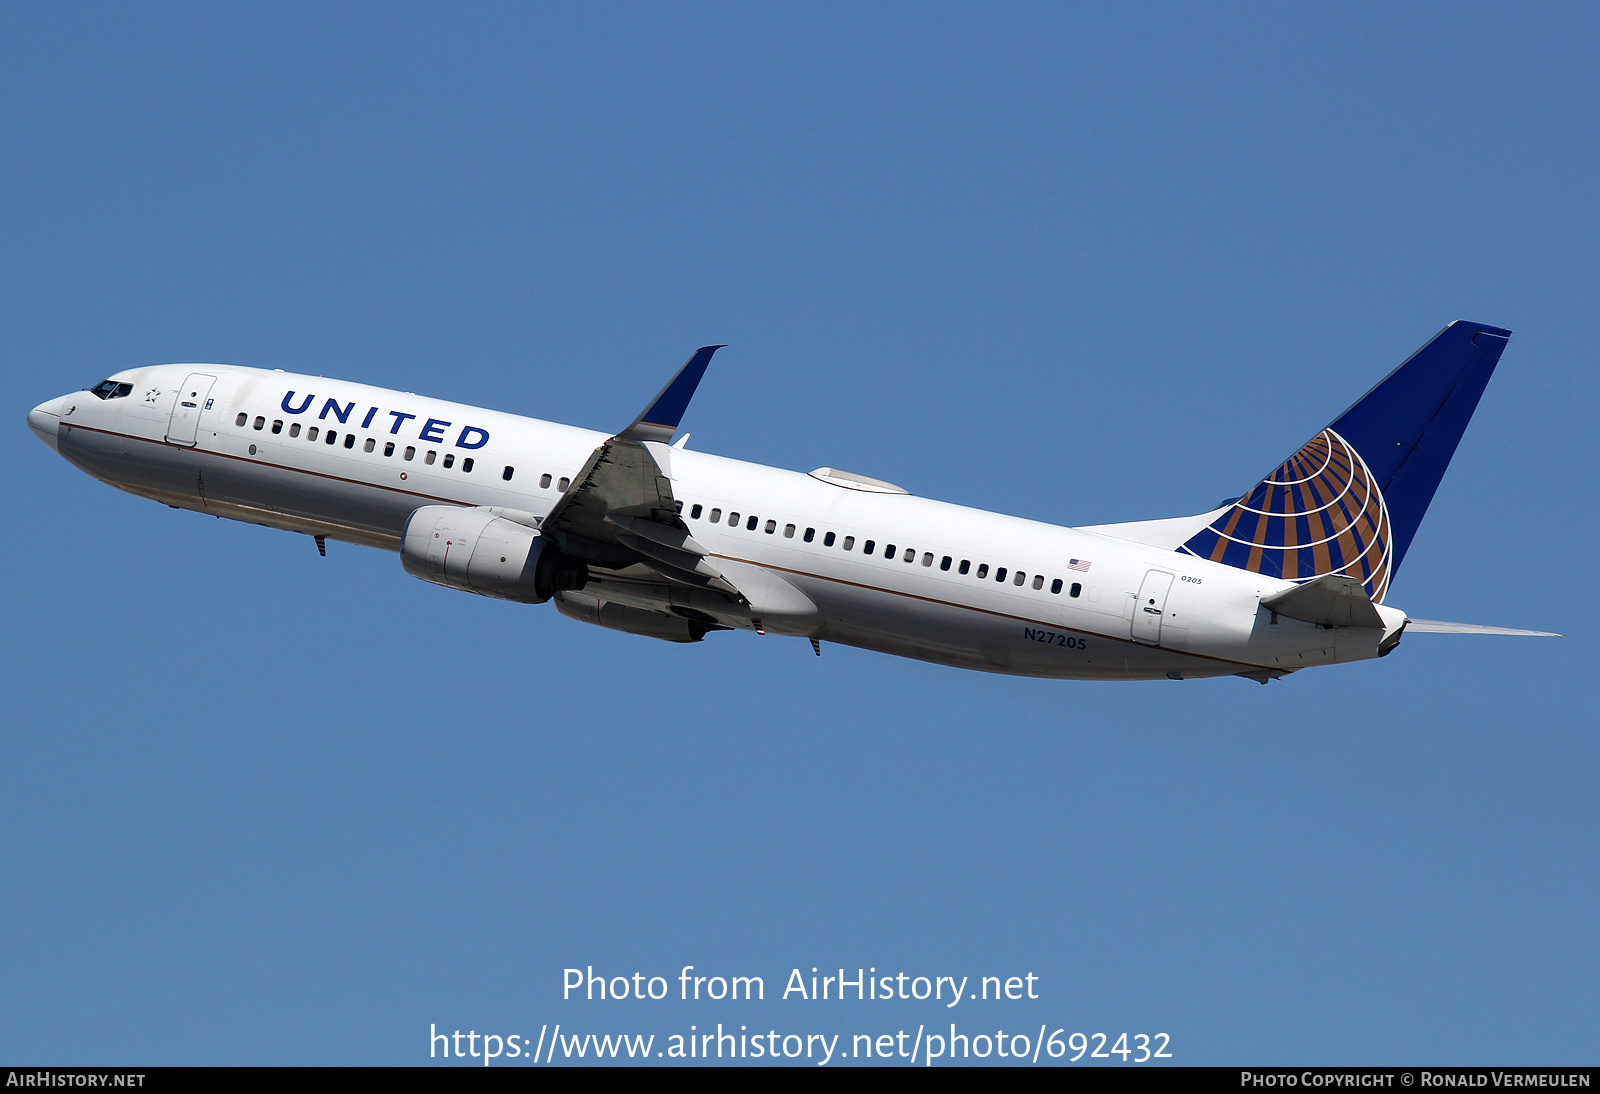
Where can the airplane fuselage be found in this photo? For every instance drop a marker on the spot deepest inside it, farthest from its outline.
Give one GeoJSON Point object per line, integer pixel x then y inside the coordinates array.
{"type": "Point", "coordinates": [880, 570]}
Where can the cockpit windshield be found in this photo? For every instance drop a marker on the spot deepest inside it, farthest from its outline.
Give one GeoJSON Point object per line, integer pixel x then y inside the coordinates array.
{"type": "Point", "coordinates": [110, 389]}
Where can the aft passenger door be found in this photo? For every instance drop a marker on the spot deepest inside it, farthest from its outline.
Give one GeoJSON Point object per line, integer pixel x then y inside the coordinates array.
{"type": "Point", "coordinates": [1151, 607]}
{"type": "Point", "coordinates": [193, 397]}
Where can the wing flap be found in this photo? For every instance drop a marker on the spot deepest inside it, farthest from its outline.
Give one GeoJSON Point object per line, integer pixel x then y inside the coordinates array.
{"type": "Point", "coordinates": [676, 565]}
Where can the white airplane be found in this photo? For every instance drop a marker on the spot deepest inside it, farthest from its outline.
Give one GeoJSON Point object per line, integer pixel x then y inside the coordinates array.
{"type": "Point", "coordinates": [639, 534]}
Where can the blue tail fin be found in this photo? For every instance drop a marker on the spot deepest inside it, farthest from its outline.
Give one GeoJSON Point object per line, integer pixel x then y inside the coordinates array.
{"type": "Point", "coordinates": [1350, 500]}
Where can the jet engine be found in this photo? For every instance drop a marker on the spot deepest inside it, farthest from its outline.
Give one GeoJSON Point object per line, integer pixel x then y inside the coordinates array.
{"type": "Point", "coordinates": [492, 552]}
{"type": "Point", "coordinates": [624, 617]}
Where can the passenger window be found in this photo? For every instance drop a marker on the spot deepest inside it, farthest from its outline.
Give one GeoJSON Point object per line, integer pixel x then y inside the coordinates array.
{"type": "Point", "coordinates": [944, 563]}
{"type": "Point", "coordinates": [966, 564]}
{"type": "Point", "coordinates": [294, 429]}
{"type": "Point", "coordinates": [1000, 573]}
{"type": "Point", "coordinates": [333, 437]}
{"type": "Point", "coordinates": [788, 531]}
{"type": "Point", "coordinates": [733, 520]}
{"type": "Point", "coordinates": [716, 515]}
{"type": "Point", "coordinates": [1076, 590]}
{"type": "Point", "coordinates": [983, 570]}
{"type": "Point", "coordinates": [349, 440]}
{"type": "Point", "coordinates": [849, 542]}
{"type": "Point", "coordinates": [1055, 586]}
{"type": "Point", "coordinates": [827, 540]}
{"type": "Point", "coordinates": [260, 423]}
{"type": "Point", "coordinates": [1020, 578]}
{"type": "Point", "coordinates": [811, 534]}
{"type": "Point", "coordinates": [277, 426]}
{"type": "Point", "coordinates": [388, 448]}
{"type": "Point", "coordinates": [506, 474]}
{"type": "Point", "coordinates": [370, 445]}
{"type": "Point", "coordinates": [1038, 581]}
{"type": "Point", "coordinates": [750, 525]}
{"type": "Point", "coordinates": [411, 452]}
{"type": "Point", "coordinates": [240, 420]}
{"type": "Point", "coordinates": [866, 548]}
{"type": "Point", "coordinates": [927, 559]}
{"type": "Point", "coordinates": [888, 552]}
{"type": "Point", "coordinates": [772, 526]}
{"type": "Point", "coordinates": [911, 555]}
{"type": "Point", "coordinates": [563, 483]}
{"type": "Point", "coordinates": [449, 459]}
{"type": "Point", "coordinates": [466, 466]}
{"type": "Point", "coordinates": [677, 507]}
{"type": "Point", "coordinates": [311, 434]}
{"type": "Point", "coordinates": [694, 514]}
{"type": "Point", "coordinates": [430, 457]}
{"type": "Point", "coordinates": [544, 481]}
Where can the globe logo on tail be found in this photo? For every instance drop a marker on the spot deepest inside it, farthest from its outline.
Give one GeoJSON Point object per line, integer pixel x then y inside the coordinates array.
{"type": "Point", "coordinates": [1319, 513]}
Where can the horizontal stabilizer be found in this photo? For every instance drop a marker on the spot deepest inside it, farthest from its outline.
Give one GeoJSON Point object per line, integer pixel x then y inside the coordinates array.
{"type": "Point", "coordinates": [1332, 600]}
{"type": "Point", "coordinates": [1437, 626]}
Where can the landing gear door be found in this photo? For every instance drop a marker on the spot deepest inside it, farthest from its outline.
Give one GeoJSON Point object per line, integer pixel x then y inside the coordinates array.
{"type": "Point", "coordinates": [193, 398]}
{"type": "Point", "coordinates": [1151, 607]}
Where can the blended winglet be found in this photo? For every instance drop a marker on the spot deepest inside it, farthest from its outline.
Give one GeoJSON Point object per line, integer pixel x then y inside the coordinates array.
{"type": "Point", "coordinates": [659, 421]}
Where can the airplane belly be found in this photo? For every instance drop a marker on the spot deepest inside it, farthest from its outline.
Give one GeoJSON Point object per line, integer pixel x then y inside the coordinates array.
{"type": "Point", "coordinates": [256, 491]}
{"type": "Point", "coordinates": [355, 510]}
{"type": "Point", "coordinates": [950, 634]}
{"type": "Point", "coordinates": [136, 464]}
{"type": "Point", "coordinates": [320, 495]}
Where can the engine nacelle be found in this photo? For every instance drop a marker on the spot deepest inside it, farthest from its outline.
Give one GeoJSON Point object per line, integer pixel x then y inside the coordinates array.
{"type": "Point", "coordinates": [481, 551]}
{"type": "Point", "coordinates": [623, 617]}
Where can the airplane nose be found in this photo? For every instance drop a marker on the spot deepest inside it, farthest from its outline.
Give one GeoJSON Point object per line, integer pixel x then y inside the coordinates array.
{"type": "Point", "coordinates": [43, 420]}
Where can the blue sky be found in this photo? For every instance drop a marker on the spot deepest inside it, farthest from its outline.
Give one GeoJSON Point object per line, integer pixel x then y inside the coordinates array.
{"type": "Point", "coordinates": [1075, 263]}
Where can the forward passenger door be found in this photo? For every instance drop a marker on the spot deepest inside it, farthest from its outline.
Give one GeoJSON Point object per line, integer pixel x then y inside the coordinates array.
{"type": "Point", "coordinates": [193, 396]}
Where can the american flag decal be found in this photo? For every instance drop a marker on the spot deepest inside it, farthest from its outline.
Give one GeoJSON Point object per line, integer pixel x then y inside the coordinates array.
{"type": "Point", "coordinates": [1079, 564]}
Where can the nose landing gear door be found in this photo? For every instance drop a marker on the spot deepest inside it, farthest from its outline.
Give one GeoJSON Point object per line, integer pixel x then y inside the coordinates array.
{"type": "Point", "coordinates": [1151, 607]}
{"type": "Point", "coordinates": [193, 398]}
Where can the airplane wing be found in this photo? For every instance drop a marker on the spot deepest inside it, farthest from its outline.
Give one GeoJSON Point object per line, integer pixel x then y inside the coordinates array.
{"type": "Point", "coordinates": [1438, 626]}
{"type": "Point", "coordinates": [620, 512]}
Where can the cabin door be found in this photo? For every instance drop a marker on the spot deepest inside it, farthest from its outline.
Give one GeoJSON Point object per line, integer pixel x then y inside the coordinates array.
{"type": "Point", "coordinates": [1151, 607]}
{"type": "Point", "coordinates": [193, 397]}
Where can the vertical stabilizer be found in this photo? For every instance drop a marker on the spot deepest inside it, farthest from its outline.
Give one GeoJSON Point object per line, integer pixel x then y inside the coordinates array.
{"type": "Point", "coordinates": [1351, 499]}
